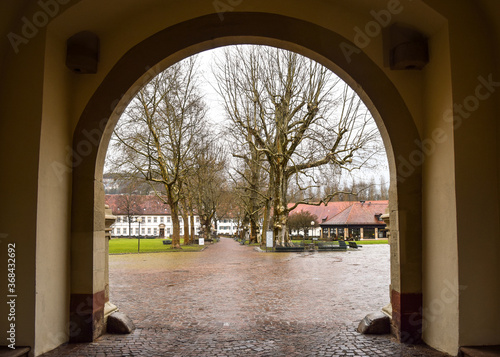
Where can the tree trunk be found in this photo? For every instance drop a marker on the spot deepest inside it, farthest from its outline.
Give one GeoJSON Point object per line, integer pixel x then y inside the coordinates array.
{"type": "Point", "coordinates": [176, 227]}
{"type": "Point", "coordinates": [267, 209]}
{"type": "Point", "coordinates": [193, 228]}
{"type": "Point", "coordinates": [253, 231]}
{"type": "Point", "coordinates": [265, 222]}
{"type": "Point", "coordinates": [185, 218]}
{"type": "Point", "coordinates": [280, 206]}
{"type": "Point", "coordinates": [255, 167]}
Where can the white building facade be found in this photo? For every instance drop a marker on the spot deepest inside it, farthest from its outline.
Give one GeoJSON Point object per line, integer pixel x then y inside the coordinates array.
{"type": "Point", "coordinates": [148, 225]}
{"type": "Point", "coordinates": [155, 218]}
{"type": "Point", "coordinates": [227, 226]}
{"type": "Point", "coordinates": [148, 215]}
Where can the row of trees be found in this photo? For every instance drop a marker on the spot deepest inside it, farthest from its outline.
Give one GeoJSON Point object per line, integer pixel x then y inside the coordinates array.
{"type": "Point", "coordinates": [348, 190]}
{"type": "Point", "coordinates": [293, 127]}
{"type": "Point", "coordinates": [289, 117]}
{"type": "Point", "coordinates": [164, 139]}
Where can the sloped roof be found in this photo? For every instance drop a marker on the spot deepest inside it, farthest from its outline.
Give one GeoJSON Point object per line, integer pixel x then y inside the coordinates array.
{"type": "Point", "coordinates": [323, 212]}
{"type": "Point", "coordinates": [140, 205]}
{"type": "Point", "coordinates": [359, 213]}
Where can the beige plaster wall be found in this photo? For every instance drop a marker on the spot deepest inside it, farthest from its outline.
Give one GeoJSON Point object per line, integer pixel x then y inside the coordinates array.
{"type": "Point", "coordinates": [33, 144]}
{"type": "Point", "coordinates": [21, 78]}
{"type": "Point", "coordinates": [121, 25]}
{"type": "Point", "coordinates": [477, 194]}
{"type": "Point", "coordinates": [440, 252]}
{"type": "Point", "coordinates": [473, 43]}
{"type": "Point", "coordinates": [54, 208]}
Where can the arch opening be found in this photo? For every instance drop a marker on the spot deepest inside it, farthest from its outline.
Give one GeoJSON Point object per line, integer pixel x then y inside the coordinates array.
{"type": "Point", "coordinates": [170, 45]}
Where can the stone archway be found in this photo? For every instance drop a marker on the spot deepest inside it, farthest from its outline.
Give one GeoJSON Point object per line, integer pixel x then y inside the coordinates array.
{"type": "Point", "coordinates": [174, 43]}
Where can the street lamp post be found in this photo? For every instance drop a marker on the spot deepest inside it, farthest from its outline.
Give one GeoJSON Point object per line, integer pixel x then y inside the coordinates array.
{"type": "Point", "coordinates": [139, 219]}
{"type": "Point", "coordinates": [312, 226]}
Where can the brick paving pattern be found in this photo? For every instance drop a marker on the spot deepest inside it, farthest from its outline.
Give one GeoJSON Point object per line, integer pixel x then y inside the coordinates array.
{"type": "Point", "coordinates": [230, 300]}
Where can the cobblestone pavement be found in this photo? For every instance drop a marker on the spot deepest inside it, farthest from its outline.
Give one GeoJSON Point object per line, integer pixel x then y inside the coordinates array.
{"type": "Point", "coordinates": [230, 300]}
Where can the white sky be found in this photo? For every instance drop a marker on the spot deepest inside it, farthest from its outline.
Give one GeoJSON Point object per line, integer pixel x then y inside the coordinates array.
{"type": "Point", "coordinates": [216, 113]}
{"type": "Point", "coordinates": [206, 60]}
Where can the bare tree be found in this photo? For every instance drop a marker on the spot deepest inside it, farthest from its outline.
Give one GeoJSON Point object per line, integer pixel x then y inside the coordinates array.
{"type": "Point", "coordinates": [299, 117]}
{"type": "Point", "coordinates": [155, 137]}
{"type": "Point", "coordinates": [184, 211]}
{"type": "Point", "coordinates": [208, 180]}
{"type": "Point", "coordinates": [129, 205]}
{"type": "Point", "coordinates": [249, 169]}
{"type": "Point", "coordinates": [302, 221]}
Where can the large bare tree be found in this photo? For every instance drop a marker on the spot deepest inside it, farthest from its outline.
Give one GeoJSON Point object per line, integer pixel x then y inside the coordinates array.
{"type": "Point", "coordinates": [296, 114]}
{"type": "Point", "coordinates": [155, 138]}
{"type": "Point", "coordinates": [208, 182]}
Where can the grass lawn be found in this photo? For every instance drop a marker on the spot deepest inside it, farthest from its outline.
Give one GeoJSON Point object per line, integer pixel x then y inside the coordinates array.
{"type": "Point", "coordinates": [372, 241]}
{"type": "Point", "coordinates": [299, 241]}
{"type": "Point", "coordinates": [361, 242]}
{"type": "Point", "coordinates": [129, 245]}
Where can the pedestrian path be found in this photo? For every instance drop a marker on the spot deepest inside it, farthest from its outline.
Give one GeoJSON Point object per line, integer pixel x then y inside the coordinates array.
{"type": "Point", "coordinates": [230, 300]}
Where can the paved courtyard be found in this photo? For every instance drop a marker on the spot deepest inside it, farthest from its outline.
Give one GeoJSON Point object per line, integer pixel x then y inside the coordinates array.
{"type": "Point", "coordinates": [230, 300]}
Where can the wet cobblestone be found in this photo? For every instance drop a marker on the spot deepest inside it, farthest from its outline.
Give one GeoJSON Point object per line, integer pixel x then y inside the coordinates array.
{"type": "Point", "coordinates": [232, 301]}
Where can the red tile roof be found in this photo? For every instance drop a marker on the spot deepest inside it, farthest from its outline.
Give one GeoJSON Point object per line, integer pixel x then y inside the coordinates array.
{"type": "Point", "coordinates": [144, 205]}
{"type": "Point", "coordinates": [323, 212]}
{"type": "Point", "coordinates": [334, 213]}
{"type": "Point", "coordinates": [360, 214]}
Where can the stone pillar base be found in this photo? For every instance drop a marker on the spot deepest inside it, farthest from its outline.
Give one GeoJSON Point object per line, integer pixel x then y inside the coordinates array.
{"type": "Point", "coordinates": [86, 317]}
{"type": "Point", "coordinates": [109, 308]}
{"type": "Point", "coordinates": [407, 316]}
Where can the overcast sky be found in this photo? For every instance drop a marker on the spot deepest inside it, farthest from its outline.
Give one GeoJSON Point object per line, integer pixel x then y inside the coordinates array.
{"type": "Point", "coordinates": [216, 115]}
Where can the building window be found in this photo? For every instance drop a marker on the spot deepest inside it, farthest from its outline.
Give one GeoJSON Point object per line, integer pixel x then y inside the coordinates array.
{"type": "Point", "coordinates": [149, 219]}
{"type": "Point", "coordinates": [125, 219]}
{"type": "Point", "coordinates": [368, 233]}
{"type": "Point", "coordinates": [155, 219]}
{"type": "Point", "coordinates": [137, 231]}
{"type": "Point", "coordinates": [142, 231]}
{"type": "Point", "coordinates": [124, 230]}
{"type": "Point", "coordinates": [180, 219]}
{"type": "Point", "coordinates": [149, 230]}
{"type": "Point", "coordinates": [118, 230]}
{"type": "Point", "coordinates": [168, 219]}
{"type": "Point", "coordinates": [155, 231]}
{"type": "Point", "coordinates": [161, 219]}
{"type": "Point", "coordinates": [197, 219]}
{"type": "Point", "coordinates": [168, 231]}
{"type": "Point", "coordinates": [118, 219]}
{"type": "Point", "coordinates": [354, 233]}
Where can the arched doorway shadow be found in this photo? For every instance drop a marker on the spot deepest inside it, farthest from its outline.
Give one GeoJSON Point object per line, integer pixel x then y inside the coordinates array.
{"type": "Point", "coordinates": [140, 63]}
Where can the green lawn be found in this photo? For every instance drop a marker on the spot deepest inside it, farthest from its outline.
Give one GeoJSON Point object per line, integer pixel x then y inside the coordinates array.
{"type": "Point", "coordinates": [361, 242]}
{"type": "Point", "coordinates": [372, 241]}
{"type": "Point", "coordinates": [126, 245]}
